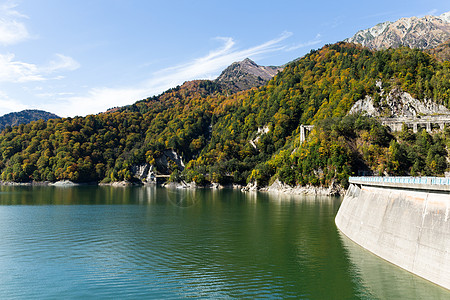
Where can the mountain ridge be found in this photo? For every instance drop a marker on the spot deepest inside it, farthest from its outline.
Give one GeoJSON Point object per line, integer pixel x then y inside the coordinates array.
{"type": "Point", "coordinates": [423, 33]}
{"type": "Point", "coordinates": [24, 117]}
{"type": "Point", "coordinates": [246, 74]}
{"type": "Point", "coordinates": [250, 137]}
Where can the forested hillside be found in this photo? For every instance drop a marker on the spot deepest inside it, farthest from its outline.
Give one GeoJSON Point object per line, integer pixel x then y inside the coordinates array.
{"type": "Point", "coordinates": [251, 135]}
{"type": "Point", "coordinates": [24, 117]}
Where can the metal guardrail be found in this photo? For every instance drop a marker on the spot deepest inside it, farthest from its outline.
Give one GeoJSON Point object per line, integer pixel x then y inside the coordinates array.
{"type": "Point", "coordinates": [403, 180]}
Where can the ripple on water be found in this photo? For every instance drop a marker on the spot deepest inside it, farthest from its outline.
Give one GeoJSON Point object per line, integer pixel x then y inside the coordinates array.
{"type": "Point", "coordinates": [202, 245]}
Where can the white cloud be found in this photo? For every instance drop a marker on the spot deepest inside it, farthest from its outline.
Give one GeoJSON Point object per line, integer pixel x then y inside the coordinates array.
{"type": "Point", "coordinates": [12, 30]}
{"type": "Point", "coordinates": [100, 99]}
{"type": "Point", "coordinates": [97, 100]}
{"type": "Point", "coordinates": [61, 63]}
{"type": "Point", "coordinates": [19, 72]}
{"type": "Point", "coordinates": [431, 12]}
{"type": "Point", "coordinates": [8, 105]}
{"type": "Point", "coordinates": [207, 67]}
{"type": "Point", "coordinates": [316, 41]}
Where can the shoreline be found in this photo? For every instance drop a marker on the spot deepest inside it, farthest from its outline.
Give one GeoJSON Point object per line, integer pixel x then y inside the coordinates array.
{"type": "Point", "coordinates": [281, 188]}
{"type": "Point", "coordinates": [277, 187]}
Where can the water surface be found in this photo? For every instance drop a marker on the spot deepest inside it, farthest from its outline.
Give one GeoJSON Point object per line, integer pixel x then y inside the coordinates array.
{"type": "Point", "coordinates": [148, 242]}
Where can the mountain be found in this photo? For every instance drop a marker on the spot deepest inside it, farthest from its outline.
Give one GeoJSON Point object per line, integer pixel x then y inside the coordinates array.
{"type": "Point", "coordinates": [423, 33]}
{"type": "Point", "coordinates": [246, 74]}
{"type": "Point", "coordinates": [25, 117]}
{"type": "Point", "coordinates": [441, 52]}
{"type": "Point", "coordinates": [201, 133]}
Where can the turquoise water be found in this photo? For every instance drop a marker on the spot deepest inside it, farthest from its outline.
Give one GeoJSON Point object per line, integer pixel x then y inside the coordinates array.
{"type": "Point", "coordinates": [153, 243]}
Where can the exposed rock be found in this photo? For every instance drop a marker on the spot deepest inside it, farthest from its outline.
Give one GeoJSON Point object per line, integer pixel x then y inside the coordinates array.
{"type": "Point", "coordinates": [176, 185]}
{"type": "Point", "coordinates": [250, 187]}
{"type": "Point", "coordinates": [246, 74]}
{"type": "Point", "coordinates": [12, 183]}
{"type": "Point", "coordinates": [162, 162]}
{"type": "Point", "coordinates": [279, 187]}
{"type": "Point", "coordinates": [121, 183]}
{"type": "Point", "coordinates": [141, 171]}
{"type": "Point", "coordinates": [64, 183]}
{"type": "Point", "coordinates": [364, 106]}
{"type": "Point", "coordinates": [398, 104]}
{"type": "Point", "coordinates": [261, 131]}
{"type": "Point", "coordinates": [147, 173]}
{"type": "Point", "coordinates": [423, 33]}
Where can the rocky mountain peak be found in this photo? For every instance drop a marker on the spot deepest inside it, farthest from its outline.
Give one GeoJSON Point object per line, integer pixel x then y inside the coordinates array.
{"type": "Point", "coordinates": [248, 61]}
{"type": "Point", "coordinates": [445, 17]}
{"type": "Point", "coordinates": [246, 74]}
{"type": "Point", "coordinates": [424, 33]}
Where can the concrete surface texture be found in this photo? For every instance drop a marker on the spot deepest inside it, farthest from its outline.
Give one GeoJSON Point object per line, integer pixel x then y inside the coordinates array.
{"type": "Point", "coordinates": [409, 228]}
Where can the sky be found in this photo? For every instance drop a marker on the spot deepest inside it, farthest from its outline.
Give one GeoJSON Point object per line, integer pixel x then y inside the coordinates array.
{"type": "Point", "coordinates": [75, 58]}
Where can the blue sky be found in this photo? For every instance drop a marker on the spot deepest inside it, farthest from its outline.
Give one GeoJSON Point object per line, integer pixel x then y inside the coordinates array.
{"type": "Point", "coordinates": [83, 57]}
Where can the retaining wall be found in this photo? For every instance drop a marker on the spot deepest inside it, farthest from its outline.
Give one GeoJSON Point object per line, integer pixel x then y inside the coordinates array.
{"type": "Point", "coordinates": [407, 227]}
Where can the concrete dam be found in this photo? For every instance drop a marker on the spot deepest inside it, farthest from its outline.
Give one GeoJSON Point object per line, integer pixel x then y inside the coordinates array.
{"type": "Point", "coordinates": [404, 220]}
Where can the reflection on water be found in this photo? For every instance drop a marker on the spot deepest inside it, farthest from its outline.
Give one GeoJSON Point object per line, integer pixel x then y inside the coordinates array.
{"type": "Point", "coordinates": [382, 280]}
{"type": "Point", "coordinates": [148, 242]}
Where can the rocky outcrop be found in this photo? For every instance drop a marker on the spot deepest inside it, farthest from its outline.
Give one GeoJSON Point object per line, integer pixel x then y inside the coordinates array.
{"type": "Point", "coordinates": [141, 171]}
{"type": "Point", "coordinates": [246, 74]}
{"type": "Point", "coordinates": [279, 187]}
{"type": "Point", "coordinates": [398, 104]}
{"type": "Point", "coordinates": [423, 33]}
{"type": "Point", "coordinates": [261, 131]}
{"type": "Point", "coordinates": [64, 183]}
{"type": "Point", "coordinates": [147, 173]}
{"type": "Point", "coordinates": [162, 163]}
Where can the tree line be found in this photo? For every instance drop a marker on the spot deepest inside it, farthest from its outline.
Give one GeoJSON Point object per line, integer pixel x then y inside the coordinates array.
{"type": "Point", "coordinates": [251, 135]}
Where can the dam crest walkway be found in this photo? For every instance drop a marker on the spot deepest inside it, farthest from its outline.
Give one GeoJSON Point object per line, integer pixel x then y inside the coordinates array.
{"type": "Point", "coordinates": [441, 184]}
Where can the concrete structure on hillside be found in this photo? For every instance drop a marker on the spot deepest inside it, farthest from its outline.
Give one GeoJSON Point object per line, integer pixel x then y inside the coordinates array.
{"type": "Point", "coordinates": [430, 123]}
{"type": "Point", "coordinates": [404, 220]}
{"type": "Point", "coordinates": [304, 131]}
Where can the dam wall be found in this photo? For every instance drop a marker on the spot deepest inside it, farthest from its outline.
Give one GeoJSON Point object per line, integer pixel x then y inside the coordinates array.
{"type": "Point", "coordinates": [405, 223]}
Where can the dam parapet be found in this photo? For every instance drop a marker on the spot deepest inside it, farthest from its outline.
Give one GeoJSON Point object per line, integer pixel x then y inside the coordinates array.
{"type": "Point", "coordinates": [404, 220]}
{"type": "Point", "coordinates": [409, 183]}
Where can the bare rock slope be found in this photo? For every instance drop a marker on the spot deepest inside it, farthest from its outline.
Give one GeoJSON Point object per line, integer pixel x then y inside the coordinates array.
{"type": "Point", "coordinates": [398, 104]}
{"type": "Point", "coordinates": [423, 33]}
{"type": "Point", "coordinates": [246, 74]}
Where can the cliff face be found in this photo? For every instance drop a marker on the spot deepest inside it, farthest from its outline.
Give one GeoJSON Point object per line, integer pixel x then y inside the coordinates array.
{"type": "Point", "coordinates": [423, 33]}
{"type": "Point", "coordinates": [246, 74]}
{"type": "Point", "coordinates": [398, 104]}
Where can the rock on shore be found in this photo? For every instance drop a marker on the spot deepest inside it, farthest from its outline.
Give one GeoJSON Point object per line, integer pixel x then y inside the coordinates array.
{"type": "Point", "coordinates": [280, 187]}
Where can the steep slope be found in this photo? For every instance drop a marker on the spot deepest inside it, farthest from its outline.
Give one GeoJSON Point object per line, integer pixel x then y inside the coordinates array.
{"type": "Point", "coordinates": [441, 52]}
{"type": "Point", "coordinates": [423, 33]}
{"type": "Point", "coordinates": [246, 74]}
{"type": "Point", "coordinates": [258, 137]}
{"type": "Point", "coordinates": [24, 117]}
{"type": "Point", "coordinates": [248, 136]}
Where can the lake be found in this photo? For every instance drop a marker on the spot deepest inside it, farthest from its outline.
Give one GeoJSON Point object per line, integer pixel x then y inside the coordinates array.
{"type": "Point", "coordinates": [150, 242]}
